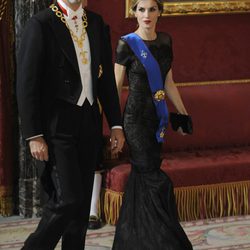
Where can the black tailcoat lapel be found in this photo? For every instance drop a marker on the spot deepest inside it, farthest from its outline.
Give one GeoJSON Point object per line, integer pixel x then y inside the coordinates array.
{"type": "Point", "coordinates": [64, 39]}
{"type": "Point", "coordinates": [94, 45]}
{"type": "Point", "coordinates": [93, 32]}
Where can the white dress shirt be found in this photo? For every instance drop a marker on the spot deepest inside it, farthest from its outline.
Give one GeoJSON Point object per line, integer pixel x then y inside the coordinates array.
{"type": "Point", "coordinates": [73, 19]}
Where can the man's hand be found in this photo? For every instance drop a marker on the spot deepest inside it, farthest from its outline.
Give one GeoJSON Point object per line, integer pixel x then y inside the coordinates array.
{"type": "Point", "coordinates": [117, 140]}
{"type": "Point", "coordinates": [39, 149]}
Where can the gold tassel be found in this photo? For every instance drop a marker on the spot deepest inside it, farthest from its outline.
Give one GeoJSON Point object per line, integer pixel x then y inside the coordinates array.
{"type": "Point", "coordinates": [193, 202]}
{"type": "Point", "coordinates": [215, 200]}
{"type": "Point", "coordinates": [111, 202]}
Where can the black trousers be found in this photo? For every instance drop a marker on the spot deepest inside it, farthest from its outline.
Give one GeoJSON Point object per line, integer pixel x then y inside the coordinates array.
{"type": "Point", "coordinates": [73, 139]}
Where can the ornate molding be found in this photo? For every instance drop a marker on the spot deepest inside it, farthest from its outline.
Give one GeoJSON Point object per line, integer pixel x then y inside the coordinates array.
{"type": "Point", "coordinates": [206, 83]}
{"type": "Point", "coordinates": [200, 7]}
{"type": "Point", "coordinates": [208, 7]}
{"type": "Point", "coordinates": [240, 81]}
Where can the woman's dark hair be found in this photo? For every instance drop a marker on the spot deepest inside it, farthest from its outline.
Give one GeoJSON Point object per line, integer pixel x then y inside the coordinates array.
{"type": "Point", "coordinates": [135, 3]}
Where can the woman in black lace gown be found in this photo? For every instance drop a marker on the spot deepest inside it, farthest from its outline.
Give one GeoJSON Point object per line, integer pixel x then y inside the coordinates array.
{"type": "Point", "coordinates": [148, 217]}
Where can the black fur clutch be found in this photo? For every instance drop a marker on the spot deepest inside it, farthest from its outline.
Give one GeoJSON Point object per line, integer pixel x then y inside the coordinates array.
{"type": "Point", "coordinates": [183, 121]}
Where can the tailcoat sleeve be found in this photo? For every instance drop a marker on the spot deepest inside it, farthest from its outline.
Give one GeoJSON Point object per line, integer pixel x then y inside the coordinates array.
{"type": "Point", "coordinates": [30, 64]}
{"type": "Point", "coordinates": [108, 94]}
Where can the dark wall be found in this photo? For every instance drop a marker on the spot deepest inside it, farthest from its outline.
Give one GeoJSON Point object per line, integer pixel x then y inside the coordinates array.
{"type": "Point", "coordinates": [206, 48]}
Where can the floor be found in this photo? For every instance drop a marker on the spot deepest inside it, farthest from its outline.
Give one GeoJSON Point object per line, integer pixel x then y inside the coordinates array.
{"type": "Point", "coordinates": [216, 234]}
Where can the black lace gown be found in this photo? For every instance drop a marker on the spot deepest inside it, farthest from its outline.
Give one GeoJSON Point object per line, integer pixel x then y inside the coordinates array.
{"type": "Point", "coordinates": [148, 217]}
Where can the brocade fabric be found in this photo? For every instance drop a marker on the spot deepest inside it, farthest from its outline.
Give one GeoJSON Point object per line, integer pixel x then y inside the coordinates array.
{"type": "Point", "coordinates": [148, 217]}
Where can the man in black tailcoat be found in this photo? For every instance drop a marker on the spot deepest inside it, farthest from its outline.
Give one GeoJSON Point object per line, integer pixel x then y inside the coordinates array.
{"type": "Point", "coordinates": [64, 67]}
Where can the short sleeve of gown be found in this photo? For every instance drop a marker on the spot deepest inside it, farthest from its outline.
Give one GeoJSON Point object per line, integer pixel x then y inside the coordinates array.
{"type": "Point", "coordinates": [171, 55]}
{"type": "Point", "coordinates": [123, 53]}
{"type": "Point", "coordinates": [167, 41]}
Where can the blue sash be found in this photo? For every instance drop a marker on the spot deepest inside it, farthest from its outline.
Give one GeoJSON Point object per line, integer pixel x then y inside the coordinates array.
{"type": "Point", "coordinates": [154, 78]}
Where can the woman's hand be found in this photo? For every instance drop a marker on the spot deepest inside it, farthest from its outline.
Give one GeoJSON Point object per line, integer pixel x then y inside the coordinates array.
{"type": "Point", "coordinates": [180, 131]}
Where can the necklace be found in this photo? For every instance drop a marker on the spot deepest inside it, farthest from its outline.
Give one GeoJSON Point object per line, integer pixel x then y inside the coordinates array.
{"type": "Point", "coordinates": [79, 40]}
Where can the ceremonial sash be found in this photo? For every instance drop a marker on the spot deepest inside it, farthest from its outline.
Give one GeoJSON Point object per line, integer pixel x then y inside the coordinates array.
{"type": "Point", "coordinates": [154, 78]}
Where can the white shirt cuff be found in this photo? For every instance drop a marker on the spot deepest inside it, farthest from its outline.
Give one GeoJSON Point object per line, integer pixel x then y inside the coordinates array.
{"type": "Point", "coordinates": [33, 137]}
{"type": "Point", "coordinates": [114, 127]}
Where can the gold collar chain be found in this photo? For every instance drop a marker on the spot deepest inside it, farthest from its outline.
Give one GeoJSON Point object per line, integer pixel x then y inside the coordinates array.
{"type": "Point", "coordinates": [80, 40]}
{"type": "Point", "coordinates": [59, 14]}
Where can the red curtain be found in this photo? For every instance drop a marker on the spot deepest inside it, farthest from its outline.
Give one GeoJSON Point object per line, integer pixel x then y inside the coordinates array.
{"type": "Point", "coordinates": [6, 98]}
